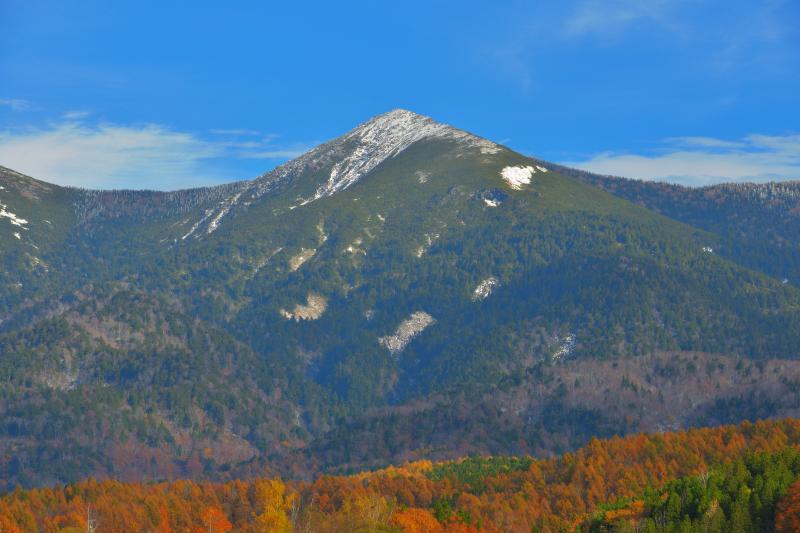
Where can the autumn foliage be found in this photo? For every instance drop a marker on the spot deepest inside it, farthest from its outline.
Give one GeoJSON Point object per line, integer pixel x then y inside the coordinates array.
{"type": "Point", "coordinates": [215, 521]}
{"type": "Point", "coordinates": [787, 517]}
{"type": "Point", "coordinates": [474, 494]}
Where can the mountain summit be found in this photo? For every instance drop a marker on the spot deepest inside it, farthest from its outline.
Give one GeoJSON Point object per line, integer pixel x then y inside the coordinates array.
{"type": "Point", "coordinates": [386, 136]}
{"type": "Point", "coordinates": [345, 160]}
{"type": "Point", "coordinates": [333, 167]}
{"type": "Point", "coordinates": [406, 290]}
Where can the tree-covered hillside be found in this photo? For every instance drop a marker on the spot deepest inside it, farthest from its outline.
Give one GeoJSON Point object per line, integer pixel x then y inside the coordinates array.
{"type": "Point", "coordinates": [405, 275]}
{"type": "Point", "coordinates": [759, 224]}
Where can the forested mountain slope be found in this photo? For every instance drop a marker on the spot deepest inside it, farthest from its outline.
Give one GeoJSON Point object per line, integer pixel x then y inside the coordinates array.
{"type": "Point", "coordinates": [759, 223]}
{"type": "Point", "coordinates": [407, 290]}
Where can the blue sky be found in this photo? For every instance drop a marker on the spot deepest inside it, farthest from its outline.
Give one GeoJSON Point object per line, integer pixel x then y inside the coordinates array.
{"type": "Point", "coordinates": [175, 94]}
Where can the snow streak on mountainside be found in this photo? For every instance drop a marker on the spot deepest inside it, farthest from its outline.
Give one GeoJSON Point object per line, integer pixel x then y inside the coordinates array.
{"type": "Point", "coordinates": [406, 331]}
{"type": "Point", "coordinates": [12, 217]}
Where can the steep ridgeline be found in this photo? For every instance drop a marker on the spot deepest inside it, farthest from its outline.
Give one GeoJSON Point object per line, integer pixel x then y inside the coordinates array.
{"type": "Point", "coordinates": [407, 290]}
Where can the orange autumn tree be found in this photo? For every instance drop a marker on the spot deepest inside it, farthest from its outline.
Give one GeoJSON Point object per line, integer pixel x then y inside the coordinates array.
{"type": "Point", "coordinates": [215, 520]}
{"type": "Point", "coordinates": [7, 526]}
{"type": "Point", "coordinates": [415, 520]}
{"type": "Point", "coordinates": [787, 515]}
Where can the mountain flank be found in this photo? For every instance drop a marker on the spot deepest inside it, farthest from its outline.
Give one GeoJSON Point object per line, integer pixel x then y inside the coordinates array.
{"type": "Point", "coordinates": [405, 291]}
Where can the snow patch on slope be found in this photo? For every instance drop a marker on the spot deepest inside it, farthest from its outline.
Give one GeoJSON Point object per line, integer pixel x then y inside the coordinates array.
{"type": "Point", "coordinates": [565, 349]}
{"type": "Point", "coordinates": [355, 247]}
{"type": "Point", "coordinates": [225, 207]}
{"type": "Point", "coordinates": [60, 380]}
{"type": "Point", "coordinates": [36, 262]}
{"type": "Point", "coordinates": [321, 232]}
{"type": "Point", "coordinates": [314, 309]}
{"type": "Point", "coordinates": [485, 288]}
{"type": "Point", "coordinates": [430, 238]}
{"type": "Point", "coordinates": [406, 331]}
{"type": "Point", "coordinates": [261, 263]}
{"type": "Point", "coordinates": [298, 260]}
{"type": "Point", "coordinates": [215, 214]}
{"type": "Point", "coordinates": [197, 224]}
{"type": "Point", "coordinates": [17, 221]}
{"type": "Point", "coordinates": [516, 177]}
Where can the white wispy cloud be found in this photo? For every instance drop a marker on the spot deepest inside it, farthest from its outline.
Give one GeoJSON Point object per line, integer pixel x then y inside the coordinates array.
{"type": "Point", "coordinates": [75, 115]}
{"type": "Point", "coordinates": [106, 155]}
{"type": "Point", "coordinates": [705, 142]}
{"type": "Point", "coordinates": [235, 131]}
{"type": "Point", "coordinates": [286, 153]}
{"type": "Point", "coordinates": [697, 161]}
{"type": "Point", "coordinates": [611, 17]}
{"type": "Point", "coordinates": [16, 104]}
{"type": "Point", "coordinates": [150, 156]}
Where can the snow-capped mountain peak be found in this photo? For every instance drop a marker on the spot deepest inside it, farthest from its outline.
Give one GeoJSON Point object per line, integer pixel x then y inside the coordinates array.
{"type": "Point", "coordinates": [349, 157]}
{"type": "Point", "coordinates": [386, 136]}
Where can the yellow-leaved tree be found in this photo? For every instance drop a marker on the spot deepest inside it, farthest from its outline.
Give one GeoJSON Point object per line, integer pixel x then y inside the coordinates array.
{"type": "Point", "coordinates": [276, 516]}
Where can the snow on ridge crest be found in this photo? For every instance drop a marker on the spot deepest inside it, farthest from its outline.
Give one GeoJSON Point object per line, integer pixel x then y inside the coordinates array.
{"type": "Point", "coordinates": [386, 136]}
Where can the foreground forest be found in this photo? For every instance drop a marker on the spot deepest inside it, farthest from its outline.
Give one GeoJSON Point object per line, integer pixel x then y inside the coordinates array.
{"type": "Point", "coordinates": [731, 478]}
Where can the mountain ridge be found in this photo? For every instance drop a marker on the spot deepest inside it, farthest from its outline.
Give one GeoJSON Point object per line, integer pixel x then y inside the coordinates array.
{"type": "Point", "coordinates": [375, 140]}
